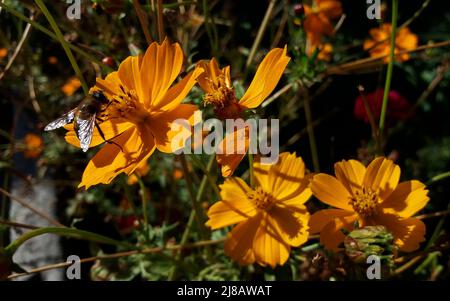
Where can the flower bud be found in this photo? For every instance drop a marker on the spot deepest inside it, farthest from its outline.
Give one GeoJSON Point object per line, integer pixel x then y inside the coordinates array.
{"type": "Point", "coordinates": [370, 240]}
{"type": "Point", "coordinates": [299, 9]}
{"type": "Point", "coordinates": [107, 60]}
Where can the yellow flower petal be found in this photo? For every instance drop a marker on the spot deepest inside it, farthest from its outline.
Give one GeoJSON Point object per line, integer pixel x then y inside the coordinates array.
{"type": "Point", "coordinates": [406, 40]}
{"type": "Point", "coordinates": [126, 74]}
{"type": "Point", "coordinates": [331, 8]}
{"type": "Point", "coordinates": [407, 199]}
{"type": "Point", "coordinates": [331, 235]}
{"type": "Point", "coordinates": [321, 218]}
{"type": "Point", "coordinates": [110, 85]}
{"type": "Point", "coordinates": [408, 232]}
{"type": "Point", "coordinates": [211, 72]}
{"type": "Point", "coordinates": [239, 244]}
{"type": "Point", "coordinates": [290, 223]}
{"type": "Point", "coordinates": [161, 126]}
{"type": "Point", "coordinates": [287, 177]}
{"type": "Point", "coordinates": [137, 145]}
{"type": "Point", "coordinates": [234, 206]}
{"type": "Point", "coordinates": [382, 175]}
{"type": "Point", "coordinates": [330, 191]}
{"type": "Point", "coordinates": [350, 173]}
{"type": "Point", "coordinates": [229, 153]}
{"type": "Point", "coordinates": [176, 94]}
{"type": "Point", "coordinates": [160, 67]}
{"type": "Point", "coordinates": [268, 246]}
{"type": "Point", "coordinates": [109, 128]}
{"type": "Point", "coordinates": [266, 78]}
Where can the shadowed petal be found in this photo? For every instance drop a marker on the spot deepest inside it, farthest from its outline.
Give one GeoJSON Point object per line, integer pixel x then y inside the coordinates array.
{"type": "Point", "coordinates": [109, 128]}
{"type": "Point", "coordinates": [408, 232]}
{"type": "Point", "coordinates": [163, 130]}
{"type": "Point", "coordinates": [382, 175]}
{"type": "Point", "coordinates": [321, 218]}
{"type": "Point", "coordinates": [239, 244]}
{"type": "Point", "coordinates": [268, 246]}
{"type": "Point", "coordinates": [407, 199]}
{"type": "Point", "coordinates": [331, 235]}
{"type": "Point", "coordinates": [110, 161]}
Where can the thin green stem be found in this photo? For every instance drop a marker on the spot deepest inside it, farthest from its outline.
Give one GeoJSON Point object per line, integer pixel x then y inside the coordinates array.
{"type": "Point", "coordinates": [64, 44]}
{"type": "Point", "coordinates": [390, 68]}
{"type": "Point", "coordinates": [53, 36]}
{"type": "Point", "coordinates": [63, 231]}
{"type": "Point", "coordinates": [190, 224]}
{"type": "Point", "coordinates": [144, 197]}
{"type": "Point", "coordinates": [129, 197]}
{"type": "Point", "coordinates": [143, 21]}
{"type": "Point", "coordinates": [160, 16]}
{"type": "Point", "coordinates": [195, 202]}
{"type": "Point", "coordinates": [310, 130]}
{"type": "Point", "coordinates": [208, 28]}
{"type": "Point", "coordinates": [439, 177]}
{"type": "Point", "coordinates": [261, 31]}
{"type": "Point", "coordinates": [211, 180]}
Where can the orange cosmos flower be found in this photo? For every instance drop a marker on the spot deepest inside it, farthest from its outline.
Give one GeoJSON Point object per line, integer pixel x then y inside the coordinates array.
{"type": "Point", "coordinates": [379, 43]}
{"type": "Point", "coordinates": [33, 146]}
{"type": "Point", "coordinates": [366, 197]}
{"type": "Point", "coordinates": [71, 85]}
{"type": "Point", "coordinates": [318, 18]}
{"type": "Point", "coordinates": [143, 107]}
{"type": "Point", "coordinates": [3, 52]}
{"type": "Point", "coordinates": [219, 92]}
{"type": "Point", "coordinates": [324, 51]}
{"type": "Point", "coordinates": [271, 217]}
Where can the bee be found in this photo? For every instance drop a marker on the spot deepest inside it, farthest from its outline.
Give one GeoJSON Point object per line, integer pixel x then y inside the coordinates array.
{"type": "Point", "coordinates": [84, 117]}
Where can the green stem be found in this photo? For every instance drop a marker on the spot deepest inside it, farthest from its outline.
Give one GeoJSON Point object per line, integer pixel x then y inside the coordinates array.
{"type": "Point", "coordinates": [64, 44]}
{"type": "Point", "coordinates": [261, 31]}
{"type": "Point", "coordinates": [129, 197]}
{"type": "Point", "coordinates": [252, 177]}
{"type": "Point", "coordinates": [52, 35]}
{"type": "Point", "coordinates": [211, 180]}
{"type": "Point", "coordinates": [190, 224]}
{"type": "Point", "coordinates": [390, 68]}
{"type": "Point", "coordinates": [144, 201]}
{"type": "Point", "coordinates": [195, 201]}
{"type": "Point", "coordinates": [310, 130]}
{"type": "Point", "coordinates": [62, 231]}
{"type": "Point", "coordinates": [439, 177]}
{"type": "Point", "coordinates": [209, 31]}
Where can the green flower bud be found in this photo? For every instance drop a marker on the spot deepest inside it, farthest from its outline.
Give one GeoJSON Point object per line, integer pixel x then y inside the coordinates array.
{"type": "Point", "coordinates": [370, 240]}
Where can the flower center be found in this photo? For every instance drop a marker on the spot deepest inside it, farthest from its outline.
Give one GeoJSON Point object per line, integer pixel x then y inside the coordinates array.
{"type": "Point", "coordinates": [364, 201]}
{"type": "Point", "coordinates": [127, 106]}
{"type": "Point", "coordinates": [262, 199]}
{"type": "Point", "coordinates": [222, 94]}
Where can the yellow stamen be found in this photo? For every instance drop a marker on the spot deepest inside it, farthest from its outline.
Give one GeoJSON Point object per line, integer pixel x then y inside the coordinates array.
{"type": "Point", "coordinates": [262, 199]}
{"type": "Point", "coordinates": [222, 94]}
{"type": "Point", "coordinates": [127, 106]}
{"type": "Point", "coordinates": [364, 201]}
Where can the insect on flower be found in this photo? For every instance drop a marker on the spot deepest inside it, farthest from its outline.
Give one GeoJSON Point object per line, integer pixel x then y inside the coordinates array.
{"type": "Point", "coordinates": [84, 117]}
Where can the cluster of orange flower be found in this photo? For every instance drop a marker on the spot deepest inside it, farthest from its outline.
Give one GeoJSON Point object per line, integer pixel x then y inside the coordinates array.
{"type": "Point", "coordinates": [271, 216]}
{"type": "Point", "coordinates": [317, 23]}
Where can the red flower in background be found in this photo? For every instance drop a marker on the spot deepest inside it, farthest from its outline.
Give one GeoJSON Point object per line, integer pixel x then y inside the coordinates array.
{"type": "Point", "coordinates": [398, 107]}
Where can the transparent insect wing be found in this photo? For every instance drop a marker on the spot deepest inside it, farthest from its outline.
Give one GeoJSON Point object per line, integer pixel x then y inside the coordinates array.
{"type": "Point", "coordinates": [61, 121]}
{"type": "Point", "coordinates": [84, 130]}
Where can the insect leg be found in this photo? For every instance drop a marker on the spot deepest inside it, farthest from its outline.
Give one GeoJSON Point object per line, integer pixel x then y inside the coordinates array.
{"type": "Point", "coordinates": [104, 138]}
